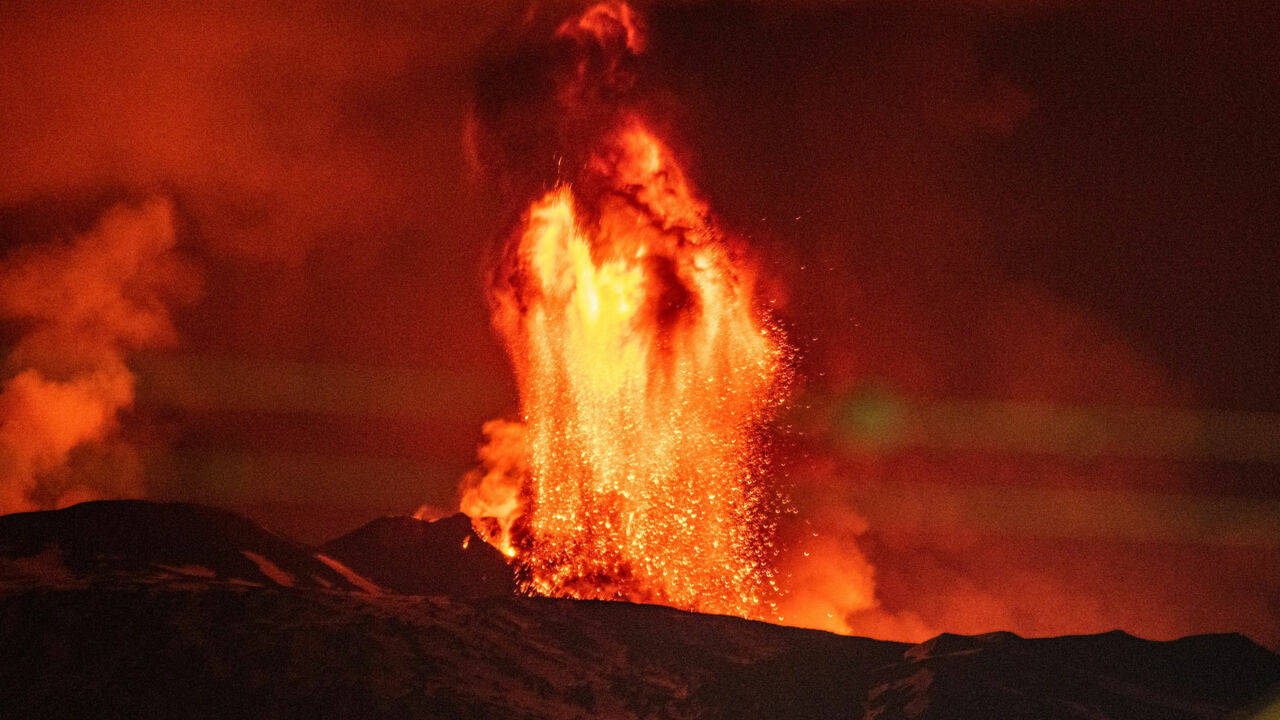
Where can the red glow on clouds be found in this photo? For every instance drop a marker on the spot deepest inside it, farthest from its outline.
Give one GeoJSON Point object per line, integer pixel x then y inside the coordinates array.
{"type": "Point", "coordinates": [966, 219]}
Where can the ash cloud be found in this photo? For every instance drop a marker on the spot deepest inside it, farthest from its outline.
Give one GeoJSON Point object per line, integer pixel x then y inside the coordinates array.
{"type": "Point", "coordinates": [277, 125]}
{"type": "Point", "coordinates": [84, 304]}
{"type": "Point", "coordinates": [315, 153]}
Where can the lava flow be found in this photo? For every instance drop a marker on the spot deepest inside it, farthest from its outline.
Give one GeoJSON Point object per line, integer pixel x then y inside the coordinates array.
{"type": "Point", "coordinates": [645, 372]}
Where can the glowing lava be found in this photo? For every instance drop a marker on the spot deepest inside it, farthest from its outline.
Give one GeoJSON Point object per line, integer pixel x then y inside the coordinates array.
{"type": "Point", "coordinates": [645, 372]}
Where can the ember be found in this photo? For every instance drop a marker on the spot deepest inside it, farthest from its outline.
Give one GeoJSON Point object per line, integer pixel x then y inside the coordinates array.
{"type": "Point", "coordinates": [645, 371]}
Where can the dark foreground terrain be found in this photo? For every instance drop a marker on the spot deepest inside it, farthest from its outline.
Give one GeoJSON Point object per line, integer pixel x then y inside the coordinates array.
{"type": "Point", "coordinates": [152, 629]}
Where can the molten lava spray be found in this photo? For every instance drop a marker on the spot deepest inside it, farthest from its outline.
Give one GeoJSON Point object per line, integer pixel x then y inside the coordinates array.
{"type": "Point", "coordinates": [83, 305]}
{"type": "Point", "coordinates": [645, 371]}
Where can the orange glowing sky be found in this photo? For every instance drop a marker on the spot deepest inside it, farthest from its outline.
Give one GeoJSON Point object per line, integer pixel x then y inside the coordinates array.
{"type": "Point", "coordinates": [1026, 253]}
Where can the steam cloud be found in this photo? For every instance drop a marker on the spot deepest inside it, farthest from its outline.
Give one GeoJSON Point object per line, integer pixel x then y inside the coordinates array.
{"type": "Point", "coordinates": [84, 304]}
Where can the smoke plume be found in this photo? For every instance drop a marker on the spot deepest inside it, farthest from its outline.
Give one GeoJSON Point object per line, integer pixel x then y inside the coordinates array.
{"type": "Point", "coordinates": [491, 493]}
{"type": "Point", "coordinates": [80, 306]}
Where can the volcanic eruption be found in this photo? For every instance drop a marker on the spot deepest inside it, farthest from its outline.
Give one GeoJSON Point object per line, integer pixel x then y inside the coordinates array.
{"type": "Point", "coordinates": [645, 366]}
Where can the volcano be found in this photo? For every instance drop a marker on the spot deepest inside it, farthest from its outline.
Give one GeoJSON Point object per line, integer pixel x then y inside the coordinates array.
{"type": "Point", "coordinates": [840, 316]}
{"type": "Point", "coordinates": [134, 541]}
{"type": "Point", "coordinates": [407, 555]}
{"type": "Point", "coordinates": [147, 610]}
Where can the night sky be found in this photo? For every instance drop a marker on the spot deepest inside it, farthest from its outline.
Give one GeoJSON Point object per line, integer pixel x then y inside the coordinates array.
{"type": "Point", "coordinates": [1027, 254]}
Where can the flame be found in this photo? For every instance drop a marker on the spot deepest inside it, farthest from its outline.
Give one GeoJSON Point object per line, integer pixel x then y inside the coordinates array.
{"type": "Point", "coordinates": [491, 493]}
{"type": "Point", "coordinates": [645, 372]}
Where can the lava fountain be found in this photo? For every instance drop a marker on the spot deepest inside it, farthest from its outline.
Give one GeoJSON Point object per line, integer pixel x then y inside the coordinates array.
{"type": "Point", "coordinates": [645, 371]}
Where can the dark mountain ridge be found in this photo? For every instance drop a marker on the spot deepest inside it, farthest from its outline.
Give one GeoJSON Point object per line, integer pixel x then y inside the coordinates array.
{"type": "Point", "coordinates": [140, 541]}
{"type": "Point", "coordinates": [159, 611]}
{"type": "Point", "coordinates": [415, 557]}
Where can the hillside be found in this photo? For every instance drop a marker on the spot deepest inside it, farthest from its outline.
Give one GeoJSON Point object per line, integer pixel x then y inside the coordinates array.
{"type": "Point", "coordinates": [122, 625]}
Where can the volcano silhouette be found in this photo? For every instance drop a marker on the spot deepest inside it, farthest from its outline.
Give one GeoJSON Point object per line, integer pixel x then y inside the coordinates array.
{"type": "Point", "coordinates": [143, 610]}
{"type": "Point", "coordinates": [139, 541]}
{"type": "Point", "coordinates": [407, 555]}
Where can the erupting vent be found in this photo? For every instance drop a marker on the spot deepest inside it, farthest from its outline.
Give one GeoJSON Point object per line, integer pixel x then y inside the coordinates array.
{"type": "Point", "coordinates": [645, 372]}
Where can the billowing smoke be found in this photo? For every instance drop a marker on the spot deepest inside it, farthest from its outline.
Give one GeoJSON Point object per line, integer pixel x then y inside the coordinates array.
{"type": "Point", "coordinates": [80, 306]}
{"type": "Point", "coordinates": [490, 494]}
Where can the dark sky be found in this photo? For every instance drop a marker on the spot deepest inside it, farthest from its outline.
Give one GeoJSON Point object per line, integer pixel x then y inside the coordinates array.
{"type": "Point", "coordinates": [966, 212]}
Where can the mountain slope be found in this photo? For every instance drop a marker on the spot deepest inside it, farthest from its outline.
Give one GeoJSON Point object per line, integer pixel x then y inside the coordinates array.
{"type": "Point", "coordinates": [140, 541]}
{"type": "Point", "coordinates": [144, 610]}
{"type": "Point", "coordinates": [267, 652]}
{"type": "Point", "coordinates": [406, 555]}
{"type": "Point", "coordinates": [1111, 675]}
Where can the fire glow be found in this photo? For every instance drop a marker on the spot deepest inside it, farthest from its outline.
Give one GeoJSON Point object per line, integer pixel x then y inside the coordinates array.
{"type": "Point", "coordinates": [645, 372]}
